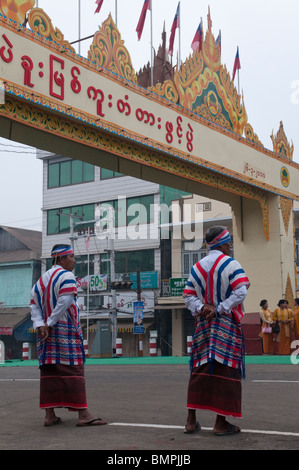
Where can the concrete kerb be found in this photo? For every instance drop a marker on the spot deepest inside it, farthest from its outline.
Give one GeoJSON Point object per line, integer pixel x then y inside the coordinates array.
{"type": "Point", "coordinates": [170, 360]}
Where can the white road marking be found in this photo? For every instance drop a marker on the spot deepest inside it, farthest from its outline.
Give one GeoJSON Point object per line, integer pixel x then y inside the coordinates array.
{"type": "Point", "coordinates": [278, 381]}
{"type": "Point", "coordinates": [18, 380]}
{"type": "Point", "coordinates": [166, 426]}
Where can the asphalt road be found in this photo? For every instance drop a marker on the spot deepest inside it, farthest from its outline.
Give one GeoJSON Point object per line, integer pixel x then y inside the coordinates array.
{"type": "Point", "coordinates": [145, 406]}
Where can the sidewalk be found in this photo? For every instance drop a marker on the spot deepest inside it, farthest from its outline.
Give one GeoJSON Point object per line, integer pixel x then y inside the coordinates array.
{"type": "Point", "coordinates": [158, 360]}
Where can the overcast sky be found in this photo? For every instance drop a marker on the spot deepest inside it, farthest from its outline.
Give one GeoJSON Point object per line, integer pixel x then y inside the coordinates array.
{"type": "Point", "coordinates": [266, 32]}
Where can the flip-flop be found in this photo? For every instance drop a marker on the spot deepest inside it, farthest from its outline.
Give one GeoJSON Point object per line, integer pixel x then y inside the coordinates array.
{"type": "Point", "coordinates": [232, 430]}
{"type": "Point", "coordinates": [92, 422]}
{"type": "Point", "coordinates": [57, 421]}
{"type": "Point", "coordinates": [196, 429]}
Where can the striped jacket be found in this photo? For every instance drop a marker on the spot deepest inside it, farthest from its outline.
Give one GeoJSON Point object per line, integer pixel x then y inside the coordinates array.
{"type": "Point", "coordinates": [65, 342]}
{"type": "Point", "coordinates": [216, 285]}
{"type": "Point", "coordinates": [220, 339]}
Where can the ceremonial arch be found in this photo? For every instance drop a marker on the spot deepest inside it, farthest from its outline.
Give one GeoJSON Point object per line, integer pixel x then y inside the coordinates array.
{"type": "Point", "coordinates": [190, 132]}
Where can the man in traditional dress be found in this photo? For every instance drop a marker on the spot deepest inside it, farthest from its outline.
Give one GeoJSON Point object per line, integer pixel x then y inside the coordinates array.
{"type": "Point", "coordinates": [215, 291]}
{"type": "Point", "coordinates": [55, 316]}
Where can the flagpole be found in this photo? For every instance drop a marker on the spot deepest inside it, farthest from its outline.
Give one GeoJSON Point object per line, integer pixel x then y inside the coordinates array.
{"type": "Point", "coordinates": [238, 74]}
{"type": "Point", "coordinates": [79, 25]}
{"type": "Point", "coordinates": [116, 12]}
{"type": "Point", "coordinates": [152, 65]}
{"type": "Point", "coordinates": [179, 35]}
{"type": "Point", "coordinates": [88, 289]}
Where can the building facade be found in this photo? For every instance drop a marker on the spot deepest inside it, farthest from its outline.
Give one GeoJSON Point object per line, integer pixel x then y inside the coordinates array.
{"type": "Point", "coordinates": [99, 212]}
{"type": "Point", "coordinates": [20, 267]}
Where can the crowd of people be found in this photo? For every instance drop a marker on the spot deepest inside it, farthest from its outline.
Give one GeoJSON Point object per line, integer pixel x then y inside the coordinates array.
{"type": "Point", "coordinates": [281, 326]}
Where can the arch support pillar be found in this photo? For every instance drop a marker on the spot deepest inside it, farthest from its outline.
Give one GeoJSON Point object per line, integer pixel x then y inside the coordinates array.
{"type": "Point", "coordinates": [269, 263]}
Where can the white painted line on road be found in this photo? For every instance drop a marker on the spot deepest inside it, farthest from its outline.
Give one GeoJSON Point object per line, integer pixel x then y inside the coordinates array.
{"type": "Point", "coordinates": [18, 380]}
{"type": "Point", "coordinates": [162, 426]}
{"type": "Point", "coordinates": [167, 426]}
{"type": "Point", "coordinates": [279, 381]}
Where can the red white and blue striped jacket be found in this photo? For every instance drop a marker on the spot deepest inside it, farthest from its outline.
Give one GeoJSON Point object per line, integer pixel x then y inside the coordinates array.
{"type": "Point", "coordinates": [65, 342]}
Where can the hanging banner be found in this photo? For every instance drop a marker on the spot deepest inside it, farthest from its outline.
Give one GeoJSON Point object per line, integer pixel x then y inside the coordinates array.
{"type": "Point", "coordinates": [138, 318]}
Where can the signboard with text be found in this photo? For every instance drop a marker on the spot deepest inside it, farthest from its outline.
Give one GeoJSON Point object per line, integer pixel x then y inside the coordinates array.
{"type": "Point", "coordinates": [48, 75]}
{"type": "Point", "coordinates": [177, 286]}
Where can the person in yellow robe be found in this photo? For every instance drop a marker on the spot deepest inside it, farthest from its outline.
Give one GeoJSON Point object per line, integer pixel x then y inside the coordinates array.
{"type": "Point", "coordinates": [267, 322]}
{"type": "Point", "coordinates": [284, 316]}
{"type": "Point", "coordinates": [296, 318]}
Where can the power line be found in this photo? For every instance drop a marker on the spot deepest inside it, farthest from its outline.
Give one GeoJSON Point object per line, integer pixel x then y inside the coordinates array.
{"type": "Point", "coordinates": [13, 151]}
{"type": "Point", "coordinates": [19, 146]}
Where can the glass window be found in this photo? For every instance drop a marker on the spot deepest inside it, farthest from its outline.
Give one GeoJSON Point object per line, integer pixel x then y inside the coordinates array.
{"type": "Point", "coordinates": [107, 174]}
{"type": "Point", "coordinates": [64, 220]}
{"type": "Point", "coordinates": [53, 175]}
{"type": "Point", "coordinates": [104, 263]}
{"type": "Point", "coordinates": [81, 266]}
{"type": "Point", "coordinates": [85, 212]}
{"type": "Point", "coordinates": [69, 172]}
{"type": "Point", "coordinates": [53, 222]}
{"type": "Point", "coordinates": [77, 171]}
{"type": "Point", "coordinates": [186, 264]}
{"type": "Point", "coordinates": [109, 213]}
{"type": "Point", "coordinates": [129, 261]}
{"type": "Point", "coordinates": [65, 173]}
{"type": "Point", "coordinates": [139, 209]}
{"type": "Point", "coordinates": [121, 262]}
{"type": "Point", "coordinates": [133, 210]}
{"type": "Point", "coordinates": [59, 219]}
{"type": "Point", "coordinates": [88, 172]}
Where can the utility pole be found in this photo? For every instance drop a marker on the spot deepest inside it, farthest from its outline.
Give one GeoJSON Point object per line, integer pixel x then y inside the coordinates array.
{"type": "Point", "coordinates": [140, 338]}
{"type": "Point", "coordinates": [113, 296]}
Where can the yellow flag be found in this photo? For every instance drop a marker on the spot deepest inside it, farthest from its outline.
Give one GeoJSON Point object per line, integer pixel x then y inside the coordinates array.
{"type": "Point", "coordinates": [16, 9]}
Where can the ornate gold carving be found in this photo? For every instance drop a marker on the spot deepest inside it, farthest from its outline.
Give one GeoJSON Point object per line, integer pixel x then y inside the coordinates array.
{"type": "Point", "coordinates": [166, 90]}
{"type": "Point", "coordinates": [289, 294]}
{"type": "Point", "coordinates": [286, 211]}
{"type": "Point", "coordinates": [281, 144]}
{"type": "Point", "coordinates": [40, 23]}
{"type": "Point", "coordinates": [108, 51]}
{"type": "Point", "coordinates": [16, 9]}
{"type": "Point", "coordinates": [250, 134]}
{"type": "Point", "coordinates": [201, 77]}
{"type": "Point", "coordinates": [211, 52]}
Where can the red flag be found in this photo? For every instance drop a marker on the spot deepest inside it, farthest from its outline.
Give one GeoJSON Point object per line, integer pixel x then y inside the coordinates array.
{"type": "Point", "coordinates": [197, 40]}
{"type": "Point", "coordinates": [237, 65]}
{"type": "Point", "coordinates": [175, 25]}
{"type": "Point", "coordinates": [99, 3]}
{"type": "Point", "coordinates": [146, 6]}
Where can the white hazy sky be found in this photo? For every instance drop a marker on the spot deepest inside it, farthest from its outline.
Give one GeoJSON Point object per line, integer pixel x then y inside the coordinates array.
{"type": "Point", "coordinates": [266, 32]}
